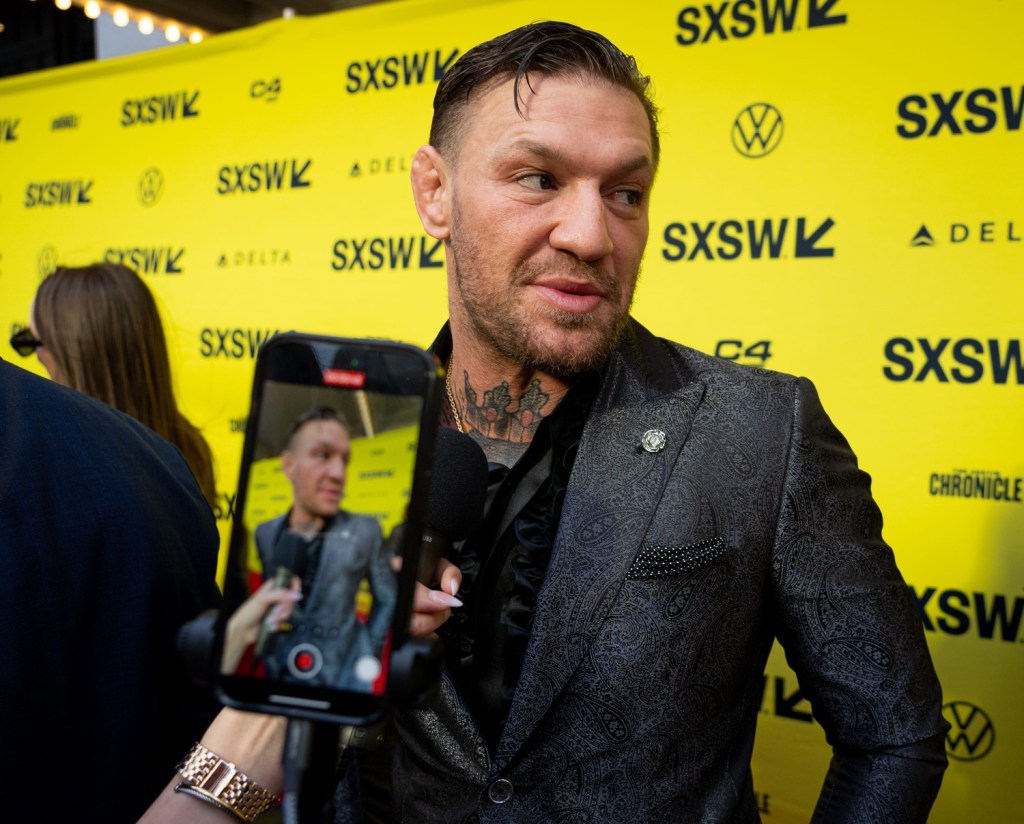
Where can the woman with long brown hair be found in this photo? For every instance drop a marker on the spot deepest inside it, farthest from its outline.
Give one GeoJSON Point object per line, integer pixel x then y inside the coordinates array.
{"type": "Point", "coordinates": [97, 329]}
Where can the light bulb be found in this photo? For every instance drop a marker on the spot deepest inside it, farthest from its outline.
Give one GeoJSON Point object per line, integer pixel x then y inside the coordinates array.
{"type": "Point", "coordinates": [92, 9]}
{"type": "Point", "coordinates": [172, 33]}
{"type": "Point", "coordinates": [121, 17]}
{"type": "Point", "coordinates": [146, 25]}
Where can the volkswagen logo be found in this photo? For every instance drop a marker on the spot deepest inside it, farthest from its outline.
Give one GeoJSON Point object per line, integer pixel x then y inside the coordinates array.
{"type": "Point", "coordinates": [757, 130]}
{"type": "Point", "coordinates": [47, 261]}
{"type": "Point", "coordinates": [971, 735]}
{"type": "Point", "coordinates": [151, 186]}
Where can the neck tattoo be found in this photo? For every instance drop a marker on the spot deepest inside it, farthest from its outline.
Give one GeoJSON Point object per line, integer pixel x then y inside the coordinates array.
{"type": "Point", "coordinates": [451, 397]}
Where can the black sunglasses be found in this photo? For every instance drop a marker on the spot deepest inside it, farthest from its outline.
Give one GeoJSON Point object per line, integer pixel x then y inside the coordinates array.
{"type": "Point", "coordinates": [24, 343]}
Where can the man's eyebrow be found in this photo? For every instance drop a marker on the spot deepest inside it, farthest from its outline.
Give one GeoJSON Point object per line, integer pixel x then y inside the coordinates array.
{"type": "Point", "coordinates": [543, 151]}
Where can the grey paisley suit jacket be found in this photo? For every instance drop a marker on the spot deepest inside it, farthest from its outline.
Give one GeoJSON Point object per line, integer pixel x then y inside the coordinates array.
{"type": "Point", "coordinates": [672, 574]}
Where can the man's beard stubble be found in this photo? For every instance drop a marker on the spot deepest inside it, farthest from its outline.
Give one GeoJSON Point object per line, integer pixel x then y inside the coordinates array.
{"type": "Point", "coordinates": [498, 322]}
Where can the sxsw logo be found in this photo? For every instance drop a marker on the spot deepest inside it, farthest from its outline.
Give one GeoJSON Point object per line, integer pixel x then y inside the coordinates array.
{"type": "Point", "coordinates": [976, 112]}
{"type": "Point", "coordinates": [988, 231]}
{"type": "Point", "coordinates": [989, 616]}
{"type": "Point", "coordinates": [398, 70]}
{"type": "Point", "coordinates": [784, 701]}
{"type": "Point", "coordinates": [771, 238]}
{"type": "Point", "coordinates": [9, 129]}
{"type": "Point", "coordinates": [742, 18]}
{"type": "Point", "coordinates": [158, 108]}
{"type": "Point", "coordinates": [148, 260]}
{"type": "Point", "coordinates": [59, 193]}
{"type": "Point", "coordinates": [971, 733]}
{"type": "Point", "coordinates": [965, 360]}
{"type": "Point", "coordinates": [264, 176]}
{"type": "Point", "coordinates": [232, 343]}
{"type": "Point", "coordinates": [376, 253]}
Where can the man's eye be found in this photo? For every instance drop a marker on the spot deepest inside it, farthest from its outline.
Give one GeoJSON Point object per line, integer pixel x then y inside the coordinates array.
{"type": "Point", "coordinates": [537, 181]}
{"type": "Point", "coordinates": [629, 197]}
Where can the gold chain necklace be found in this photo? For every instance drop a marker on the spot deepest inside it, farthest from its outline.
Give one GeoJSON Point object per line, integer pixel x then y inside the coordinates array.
{"type": "Point", "coordinates": [451, 398]}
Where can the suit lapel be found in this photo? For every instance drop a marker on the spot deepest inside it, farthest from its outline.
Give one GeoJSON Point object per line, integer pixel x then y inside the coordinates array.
{"type": "Point", "coordinates": [614, 489]}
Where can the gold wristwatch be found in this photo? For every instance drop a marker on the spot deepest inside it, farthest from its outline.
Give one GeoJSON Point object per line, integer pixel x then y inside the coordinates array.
{"type": "Point", "coordinates": [208, 777]}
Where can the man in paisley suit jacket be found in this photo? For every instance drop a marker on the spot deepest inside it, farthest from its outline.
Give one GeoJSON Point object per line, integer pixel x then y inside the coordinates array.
{"type": "Point", "coordinates": [656, 518]}
{"type": "Point", "coordinates": [325, 642]}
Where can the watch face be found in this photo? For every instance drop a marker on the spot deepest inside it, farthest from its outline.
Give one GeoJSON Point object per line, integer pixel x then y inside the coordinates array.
{"type": "Point", "coordinates": [327, 530]}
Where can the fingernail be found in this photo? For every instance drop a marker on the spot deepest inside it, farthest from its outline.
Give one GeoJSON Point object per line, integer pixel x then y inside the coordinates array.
{"type": "Point", "coordinates": [444, 598]}
{"type": "Point", "coordinates": [455, 587]}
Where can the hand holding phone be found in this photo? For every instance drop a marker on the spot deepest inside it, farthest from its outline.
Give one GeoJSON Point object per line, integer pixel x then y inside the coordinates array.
{"type": "Point", "coordinates": [331, 499]}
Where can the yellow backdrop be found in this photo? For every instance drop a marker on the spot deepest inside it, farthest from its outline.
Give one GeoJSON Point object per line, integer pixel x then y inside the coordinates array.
{"type": "Point", "coordinates": [840, 196]}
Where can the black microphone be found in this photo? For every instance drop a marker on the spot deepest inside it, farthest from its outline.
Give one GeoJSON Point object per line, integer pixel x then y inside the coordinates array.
{"type": "Point", "coordinates": [291, 556]}
{"type": "Point", "coordinates": [455, 497]}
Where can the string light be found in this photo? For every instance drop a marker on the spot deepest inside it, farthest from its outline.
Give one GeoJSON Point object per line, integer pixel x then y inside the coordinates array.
{"type": "Point", "coordinates": [174, 31]}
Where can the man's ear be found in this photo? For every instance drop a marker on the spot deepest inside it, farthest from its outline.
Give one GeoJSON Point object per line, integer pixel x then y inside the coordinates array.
{"type": "Point", "coordinates": [288, 464]}
{"type": "Point", "coordinates": [431, 190]}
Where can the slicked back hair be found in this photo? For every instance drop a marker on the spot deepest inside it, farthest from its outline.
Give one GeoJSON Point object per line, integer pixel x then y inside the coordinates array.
{"type": "Point", "coordinates": [546, 48]}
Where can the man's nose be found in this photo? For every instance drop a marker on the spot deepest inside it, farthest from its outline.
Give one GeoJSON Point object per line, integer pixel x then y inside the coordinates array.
{"type": "Point", "coordinates": [582, 224]}
{"type": "Point", "coordinates": [336, 466]}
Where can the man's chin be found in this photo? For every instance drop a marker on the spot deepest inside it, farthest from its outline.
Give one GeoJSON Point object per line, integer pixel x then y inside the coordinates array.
{"type": "Point", "coordinates": [571, 352]}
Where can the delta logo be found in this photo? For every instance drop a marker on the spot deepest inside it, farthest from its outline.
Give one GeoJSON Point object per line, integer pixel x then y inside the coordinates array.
{"type": "Point", "coordinates": [699, 24]}
{"type": "Point", "coordinates": [753, 238]}
{"type": "Point", "coordinates": [986, 231]}
{"type": "Point", "coordinates": [160, 108]}
{"type": "Point", "coordinates": [398, 70]}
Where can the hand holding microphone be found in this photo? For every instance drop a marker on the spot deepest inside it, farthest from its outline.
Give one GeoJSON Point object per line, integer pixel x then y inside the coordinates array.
{"type": "Point", "coordinates": [455, 506]}
{"type": "Point", "coordinates": [291, 556]}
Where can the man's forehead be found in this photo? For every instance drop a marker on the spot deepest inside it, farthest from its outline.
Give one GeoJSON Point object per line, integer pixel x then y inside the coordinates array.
{"type": "Point", "coordinates": [324, 430]}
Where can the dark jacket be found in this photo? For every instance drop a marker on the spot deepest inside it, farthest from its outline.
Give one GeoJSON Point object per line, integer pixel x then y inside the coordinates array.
{"type": "Point", "coordinates": [107, 548]}
{"type": "Point", "coordinates": [672, 574]}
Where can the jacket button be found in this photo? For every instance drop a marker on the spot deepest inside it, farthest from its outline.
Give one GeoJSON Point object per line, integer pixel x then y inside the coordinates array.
{"type": "Point", "coordinates": [500, 791]}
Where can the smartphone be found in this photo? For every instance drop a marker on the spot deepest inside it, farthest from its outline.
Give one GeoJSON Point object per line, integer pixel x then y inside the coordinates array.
{"type": "Point", "coordinates": [328, 527]}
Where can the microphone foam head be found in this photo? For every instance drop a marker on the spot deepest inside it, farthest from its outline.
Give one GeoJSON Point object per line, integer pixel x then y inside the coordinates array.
{"type": "Point", "coordinates": [458, 485]}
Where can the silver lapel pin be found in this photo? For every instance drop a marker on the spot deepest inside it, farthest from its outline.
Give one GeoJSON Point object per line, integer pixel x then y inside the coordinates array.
{"type": "Point", "coordinates": [653, 440]}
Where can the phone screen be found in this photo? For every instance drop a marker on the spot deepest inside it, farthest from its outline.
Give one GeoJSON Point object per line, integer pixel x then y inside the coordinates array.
{"type": "Point", "coordinates": [328, 526]}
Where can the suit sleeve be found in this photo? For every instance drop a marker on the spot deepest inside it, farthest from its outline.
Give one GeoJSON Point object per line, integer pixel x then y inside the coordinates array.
{"type": "Point", "coordinates": [851, 632]}
{"type": "Point", "coordinates": [384, 587]}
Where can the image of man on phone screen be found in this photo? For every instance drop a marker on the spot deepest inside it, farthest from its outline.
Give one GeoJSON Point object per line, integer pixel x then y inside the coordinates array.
{"type": "Point", "coordinates": [325, 640]}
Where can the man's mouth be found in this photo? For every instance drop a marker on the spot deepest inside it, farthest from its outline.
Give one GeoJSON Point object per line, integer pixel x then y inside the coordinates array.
{"type": "Point", "coordinates": [569, 295]}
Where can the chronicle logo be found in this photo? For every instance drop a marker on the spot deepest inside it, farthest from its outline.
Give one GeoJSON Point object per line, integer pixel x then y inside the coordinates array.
{"type": "Point", "coordinates": [971, 735]}
{"type": "Point", "coordinates": [380, 166]}
{"type": "Point", "coordinates": [253, 258]}
{"type": "Point", "coordinates": [983, 484]}
{"type": "Point", "coordinates": [47, 261]}
{"type": "Point", "coordinates": [757, 130]}
{"type": "Point", "coordinates": [65, 121]}
{"type": "Point", "coordinates": [151, 186]}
